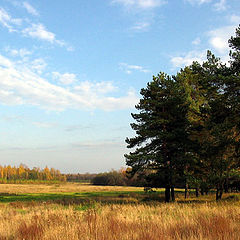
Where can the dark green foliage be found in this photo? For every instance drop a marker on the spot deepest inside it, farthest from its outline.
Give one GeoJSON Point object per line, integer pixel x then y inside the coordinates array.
{"type": "Point", "coordinates": [188, 126]}
{"type": "Point", "coordinates": [234, 43]}
{"type": "Point", "coordinates": [80, 177]}
{"type": "Point", "coordinates": [161, 129]}
{"type": "Point", "coordinates": [112, 178]}
{"type": "Point", "coordinates": [219, 152]}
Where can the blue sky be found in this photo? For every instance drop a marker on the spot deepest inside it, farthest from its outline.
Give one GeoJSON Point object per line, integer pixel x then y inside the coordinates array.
{"type": "Point", "coordinates": [71, 71]}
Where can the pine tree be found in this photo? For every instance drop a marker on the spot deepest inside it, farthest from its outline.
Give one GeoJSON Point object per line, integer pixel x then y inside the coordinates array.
{"type": "Point", "coordinates": [161, 136]}
{"type": "Point", "coordinates": [218, 150]}
{"type": "Point", "coordinates": [188, 126]}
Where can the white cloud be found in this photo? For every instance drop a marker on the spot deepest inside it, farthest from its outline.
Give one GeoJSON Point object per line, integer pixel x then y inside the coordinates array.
{"type": "Point", "coordinates": [44, 124]}
{"type": "Point", "coordinates": [66, 78]}
{"type": "Point", "coordinates": [196, 41]}
{"type": "Point", "coordinates": [235, 19]}
{"type": "Point", "coordinates": [88, 88]}
{"type": "Point", "coordinates": [141, 26]}
{"type": "Point", "coordinates": [39, 31]}
{"type": "Point", "coordinates": [113, 103]}
{"type": "Point", "coordinates": [7, 21]}
{"type": "Point", "coordinates": [30, 9]}
{"type": "Point", "coordinates": [130, 68]}
{"type": "Point", "coordinates": [218, 38]}
{"type": "Point", "coordinates": [4, 62]}
{"type": "Point", "coordinates": [142, 10]}
{"type": "Point", "coordinates": [20, 84]}
{"type": "Point", "coordinates": [199, 2]}
{"type": "Point", "coordinates": [38, 65]}
{"type": "Point", "coordinates": [221, 5]}
{"type": "Point", "coordinates": [9, 98]}
{"type": "Point", "coordinates": [141, 4]}
{"type": "Point", "coordinates": [188, 58]}
{"type": "Point", "coordinates": [219, 43]}
{"type": "Point", "coordinates": [22, 52]}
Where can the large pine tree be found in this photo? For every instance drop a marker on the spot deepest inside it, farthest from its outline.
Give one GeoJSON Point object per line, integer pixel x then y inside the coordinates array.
{"type": "Point", "coordinates": [161, 132]}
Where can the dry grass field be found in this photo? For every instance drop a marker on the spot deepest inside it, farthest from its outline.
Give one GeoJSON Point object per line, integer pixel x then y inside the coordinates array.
{"type": "Point", "coordinates": [61, 188]}
{"type": "Point", "coordinates": [129, 219]}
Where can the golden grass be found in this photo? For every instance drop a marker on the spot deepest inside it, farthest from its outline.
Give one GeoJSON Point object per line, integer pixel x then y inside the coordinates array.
{"type": "Point", "coordinates": [96, 221]}
{"type": "Point", "coordinates": [121, 222]}
{"type": "Point", "coordinates": [65, 187]}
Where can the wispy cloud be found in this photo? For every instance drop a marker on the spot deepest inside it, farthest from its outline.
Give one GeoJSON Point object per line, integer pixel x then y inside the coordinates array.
{"type": "Point", "coordinates": [33, 30]}
{"type": "Point", "coordinates": [218, 41]}
{"type": "Point", "coordinates": [89, 88]}
{"type": "Point", "coordinates": [187, 58]}
{"type": "Point", "coordinates": [196, 41]}
{"type": "Point", "coordinates": [198, 2]}
{"type": "Point", "coordinates": [95, 144]}
{"type": "Point", "coordinates": [22, 52]}
{"type": "Point", "coordinates": [218, 38]}
{"type": "Point", "coordinates": [12, 118]}
{"type": "Point", "coordinates": [65, 78]}
{"type": "Point", "coordinates": [140, 26]}
{"type": "Point", "coordinates": [44, 124]}
{"type": "Point", "coordinates": [140, 4]}
{"type": "Point", "coordinates": [77, 127]}
{"type": "Point", "coordinates": [39, 31]}
{"type": "Point", "coordinates": [30, 9]}
{"type": "Point", "coordinates": [9, 22]}
{"type": "Point", "coordinates": [21, 84]}
{"type": "Point", "coordinates": [142, 10]}
{"type": "Point", "coordinates": [221, 5]}
{"type": "Point", "coordinates": [130, 68]}
{"type": "Point", "coordinates": [38, 65]}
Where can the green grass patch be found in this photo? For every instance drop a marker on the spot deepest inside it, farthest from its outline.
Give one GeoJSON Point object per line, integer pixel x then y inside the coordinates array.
{"type": "Point", "coordinates": [72, 197]}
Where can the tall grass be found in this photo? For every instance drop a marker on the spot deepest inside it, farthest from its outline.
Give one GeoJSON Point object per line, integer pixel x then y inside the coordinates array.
{"type": "Point", "coordinates": [61, 187]}
{"type": "Point", "coordinates": [213, 221]}
{"type": "Point", "coordinates": [88, 212]}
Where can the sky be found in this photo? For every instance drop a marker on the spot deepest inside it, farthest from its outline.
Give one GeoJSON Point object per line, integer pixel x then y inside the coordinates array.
{"type": "Point", "coordinates": [71, 72]}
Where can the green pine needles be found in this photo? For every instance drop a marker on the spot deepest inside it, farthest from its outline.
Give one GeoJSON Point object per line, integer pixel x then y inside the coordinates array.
{"type": "Point", "coordinates": [188, 127]}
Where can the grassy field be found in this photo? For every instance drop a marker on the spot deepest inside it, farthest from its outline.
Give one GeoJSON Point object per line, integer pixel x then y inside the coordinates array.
{"type": "Point", "coordinates": [77, 211]}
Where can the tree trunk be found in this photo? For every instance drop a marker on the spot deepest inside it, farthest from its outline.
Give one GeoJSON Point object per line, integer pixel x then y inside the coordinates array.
{"type": "Point", "coordinates": [226, 186]}
{"type": "Point", "coordinates": [167, 194]}
{"type": "Point", "coordinates": [219, 193]}
{"type": "Point", "coordinates": [197, 192]}
{"type": "Point", "coordinates": [172, 194]}
{"type": "Point", "coordinates": [186, 195]}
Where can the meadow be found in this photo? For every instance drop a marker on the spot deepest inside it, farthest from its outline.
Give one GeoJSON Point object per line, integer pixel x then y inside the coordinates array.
{"type": "Point", "coordinates": [80, 211]}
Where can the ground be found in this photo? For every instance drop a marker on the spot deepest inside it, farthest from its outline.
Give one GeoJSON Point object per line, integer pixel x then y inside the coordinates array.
{"type": "Point", "coordinates": [78, 211]}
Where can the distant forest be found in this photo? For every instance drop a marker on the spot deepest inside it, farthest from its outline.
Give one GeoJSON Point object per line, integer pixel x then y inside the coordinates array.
{"type": "Point", "coordinates": [24, 174]}
{"type": "Point", "coordinates": [9, 174]}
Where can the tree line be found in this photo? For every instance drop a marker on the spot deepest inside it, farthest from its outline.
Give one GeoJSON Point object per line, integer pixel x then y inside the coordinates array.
{"type": "Point", "coordinates": [188, 127]}
{"type": "Point", "coordinates": [80, 177]}
{"type": "Point", "coordinates": [118, 178]}
{"type": "Point", "coordinates": [24, 173]}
